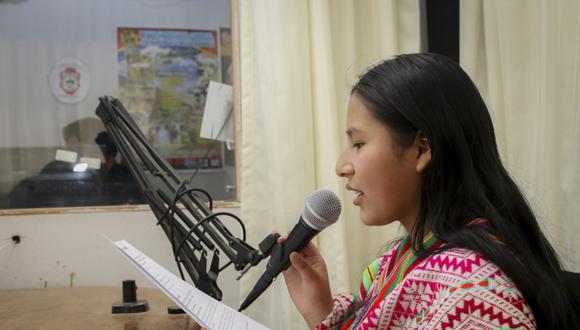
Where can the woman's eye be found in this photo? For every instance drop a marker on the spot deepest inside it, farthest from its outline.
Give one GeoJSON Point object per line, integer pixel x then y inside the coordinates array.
{"type": "Point", "coordinates": [358, 145]}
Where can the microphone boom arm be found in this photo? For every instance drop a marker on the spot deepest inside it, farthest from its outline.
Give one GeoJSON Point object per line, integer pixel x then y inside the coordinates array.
{"type": "Point", "coordinates": [163, 190]}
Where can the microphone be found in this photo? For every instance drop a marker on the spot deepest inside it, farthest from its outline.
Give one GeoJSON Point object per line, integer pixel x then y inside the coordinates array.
{"type": "Point", "coordinates": [321, 210]}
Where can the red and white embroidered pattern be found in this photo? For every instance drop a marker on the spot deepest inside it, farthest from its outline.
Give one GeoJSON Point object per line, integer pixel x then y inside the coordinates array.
{"type": "Point", "coordinates": [454, 289]}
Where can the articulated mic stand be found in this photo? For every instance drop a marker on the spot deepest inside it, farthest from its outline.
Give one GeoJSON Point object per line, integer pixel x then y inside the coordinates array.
{"type": "Point", "coordinates": [194, 230]}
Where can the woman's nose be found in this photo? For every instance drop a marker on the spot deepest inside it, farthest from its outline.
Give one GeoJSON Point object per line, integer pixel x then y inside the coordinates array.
{"type": "Point", "coordinates": [343, 166]}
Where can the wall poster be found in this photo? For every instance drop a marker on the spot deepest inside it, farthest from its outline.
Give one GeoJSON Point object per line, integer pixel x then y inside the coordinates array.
{"type": "Point", "coordinates": [163, 79]}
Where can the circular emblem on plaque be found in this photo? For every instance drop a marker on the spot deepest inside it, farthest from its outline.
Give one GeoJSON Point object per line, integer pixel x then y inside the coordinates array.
{"type": "Point", "coordinates": [69, 80]}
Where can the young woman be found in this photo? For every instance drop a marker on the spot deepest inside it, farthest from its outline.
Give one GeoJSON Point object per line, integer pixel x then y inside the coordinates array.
{"type": "Point", "coordinates": [422, 151]}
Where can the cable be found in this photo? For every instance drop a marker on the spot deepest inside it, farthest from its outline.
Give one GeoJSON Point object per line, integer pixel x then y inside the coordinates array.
{"type": "Point", "coordinates": [211, 208]}
{"type": "Point", "coordinates": [202, 158]}
{"type": "Point", "coordinates": [207, 219]}
{"type": "Point", "coordinates": [5, 245]}
{"type": "Point", "coordinates": [172, 236]}
{"type": "Point", "coordinates": [184, 239]}
{"type": "Point", "coordinates": [213, 144]}
{"type": "Point", "coordinates": [173, 203]}
{"type": "Point", "coordinates": [15, 239]}
{"type": "Point", "coordinates": [171, 212]}
{"type": "Point", "coordinates": [197, 190]}
{"type": "Point", "coordinates": [182, 243]}
{"type": "Point", "coordinates": [201, 191]}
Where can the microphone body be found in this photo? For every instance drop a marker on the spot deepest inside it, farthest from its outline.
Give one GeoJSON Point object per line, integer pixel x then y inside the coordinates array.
{"type": "Point", "coordinates": [279, 261]}
{"type": "Point", "coordinates": [321, 210]}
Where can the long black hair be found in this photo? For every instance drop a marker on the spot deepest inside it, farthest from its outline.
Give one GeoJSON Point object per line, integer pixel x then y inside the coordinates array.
{"type": "Point", "coordinates": [466, 179]}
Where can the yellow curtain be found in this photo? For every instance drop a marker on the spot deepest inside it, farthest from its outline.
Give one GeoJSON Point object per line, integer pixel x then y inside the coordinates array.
{"type": "Point", "coordinates": [525, 58]}
{"type": "Point", "coordinates": [298, 60]}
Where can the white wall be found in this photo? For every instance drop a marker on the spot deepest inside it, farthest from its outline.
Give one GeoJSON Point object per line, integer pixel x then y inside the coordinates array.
{"type": "Point", "coordinates": [55, 245]}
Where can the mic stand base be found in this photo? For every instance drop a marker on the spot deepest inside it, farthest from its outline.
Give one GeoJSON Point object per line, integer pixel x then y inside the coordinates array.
{"type": "Point", "coordinates": [173, 309]}
{"type": "Point", "coordinates": [130, 304]}
{"type": "Point", "coordinates": [139, 306]}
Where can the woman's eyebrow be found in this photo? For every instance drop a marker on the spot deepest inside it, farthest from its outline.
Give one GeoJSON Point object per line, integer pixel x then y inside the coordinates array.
{"type": "Point", "coordinates": [353, 130]}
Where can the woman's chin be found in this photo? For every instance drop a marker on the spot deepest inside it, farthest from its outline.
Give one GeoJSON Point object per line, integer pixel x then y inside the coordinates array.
{"type": "Point", "coordinates": [374, 221]}
{"type": "Point", "coordinates": [369, 221]}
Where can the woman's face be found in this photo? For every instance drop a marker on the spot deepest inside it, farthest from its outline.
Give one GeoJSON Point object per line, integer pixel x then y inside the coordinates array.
{"type": "Point", "coordinates": [385, 178]}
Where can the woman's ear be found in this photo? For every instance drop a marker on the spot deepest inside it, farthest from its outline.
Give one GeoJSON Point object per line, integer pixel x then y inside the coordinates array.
{"type": "Point", "coordinates": [423, 146]}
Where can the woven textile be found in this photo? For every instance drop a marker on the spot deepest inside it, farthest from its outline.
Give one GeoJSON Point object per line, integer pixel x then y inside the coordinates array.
{"type": "Point", "coordinates": [453, 289]}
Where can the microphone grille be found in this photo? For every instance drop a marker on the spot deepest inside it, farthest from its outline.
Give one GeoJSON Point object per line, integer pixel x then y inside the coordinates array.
{"type": "Point", "coordinates": [321, 210]}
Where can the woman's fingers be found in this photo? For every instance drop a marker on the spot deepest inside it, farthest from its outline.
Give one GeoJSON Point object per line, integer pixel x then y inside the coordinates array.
{"type": "Point", "coordinates": [309, 249]}
{"type": "Point", "coordinates": [282, 239]}
{"type": "Point", "coordinates": [301, 265]}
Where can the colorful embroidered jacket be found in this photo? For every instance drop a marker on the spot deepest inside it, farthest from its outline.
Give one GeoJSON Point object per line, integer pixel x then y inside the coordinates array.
{"type": "Point", "coordinates": [453, 289]}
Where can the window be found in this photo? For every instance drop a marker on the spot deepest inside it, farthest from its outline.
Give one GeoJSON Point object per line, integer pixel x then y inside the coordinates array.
{"type": "Point", "coordinates": [58, 57]}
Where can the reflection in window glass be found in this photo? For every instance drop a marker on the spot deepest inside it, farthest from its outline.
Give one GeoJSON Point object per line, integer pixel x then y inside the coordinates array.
{"type": "Point", "coordinates": [58, 57]}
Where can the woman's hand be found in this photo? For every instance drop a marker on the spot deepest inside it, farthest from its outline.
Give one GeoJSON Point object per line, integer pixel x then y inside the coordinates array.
{"type": "Point", "coordinates": [308, 285]}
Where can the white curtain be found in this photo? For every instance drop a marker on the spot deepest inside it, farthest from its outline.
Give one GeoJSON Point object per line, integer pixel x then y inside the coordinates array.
{"type": "Point", "coordinates": [525, 59]}
{"type": "Point", "coordinates": [298, 61]}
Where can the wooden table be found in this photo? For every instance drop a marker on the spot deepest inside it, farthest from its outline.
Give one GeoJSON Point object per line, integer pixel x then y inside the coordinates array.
{"type": "Point", "coordinates": [86, 309]}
